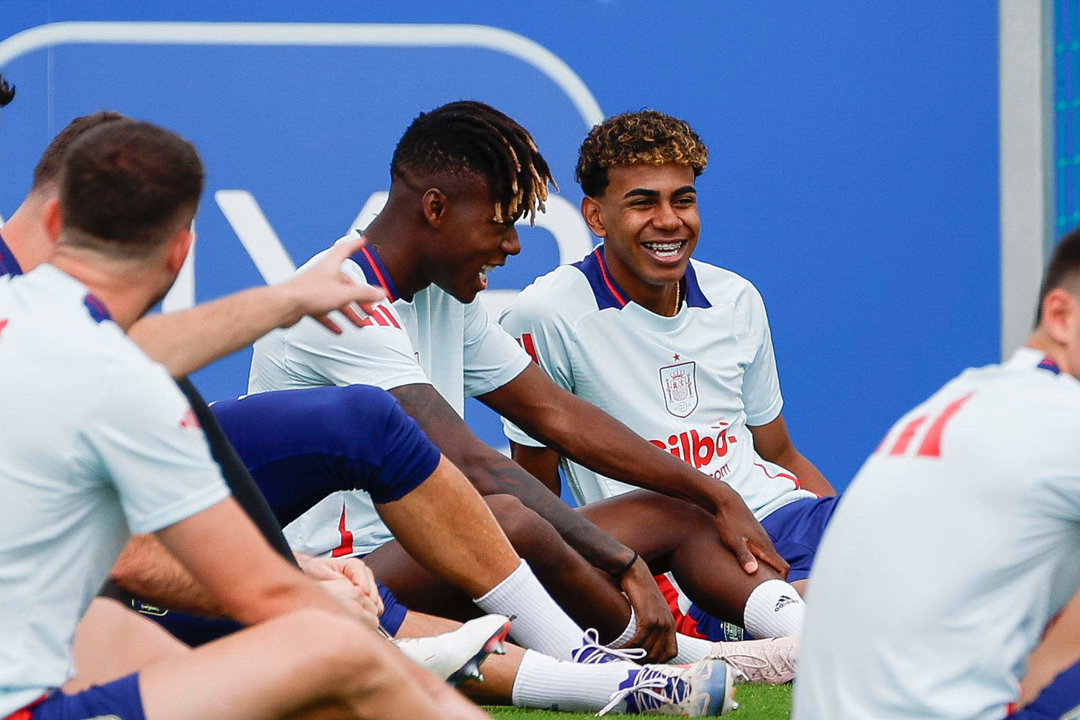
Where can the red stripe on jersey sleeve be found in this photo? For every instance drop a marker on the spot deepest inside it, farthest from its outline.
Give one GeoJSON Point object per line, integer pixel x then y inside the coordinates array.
{"type": "Point", "coordinates": [526, 342]}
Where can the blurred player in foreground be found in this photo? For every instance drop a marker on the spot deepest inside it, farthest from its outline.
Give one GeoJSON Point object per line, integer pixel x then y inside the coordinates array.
{"type": "Point", "coordinates": [100, 440]}
{"type": "Point", "coordinates": [965, 529]}
{"type": "Point", "coordinates": [211, 330]}
{"type": "Point", "coordinates": [460, 177]}
{"type": "Point", "coordinates": [677, 349]}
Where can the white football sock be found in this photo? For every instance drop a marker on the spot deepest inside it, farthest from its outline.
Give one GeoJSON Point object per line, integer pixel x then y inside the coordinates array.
{"type": "Point", "coordinates": [546, 683]}
{"type": "Point", "coordinates": [774, 609]}
{"type": "Point", "coordinates": [627, 633]}
{"type": "Point", "coordinates": [690, 649]}
{"type": "Point", "coordinates": [539, 623]}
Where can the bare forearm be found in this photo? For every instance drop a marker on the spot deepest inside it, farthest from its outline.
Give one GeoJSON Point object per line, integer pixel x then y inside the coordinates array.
{"type": "Point", "coordinates": [499, 474]}
{"type": "Point", "coordinates": [147, 570]}
{"type": "Point", "coordinates": [810, 478]}
{"type": "Point", "coordinates": [594, 439]}
{"type": "Point", "coordinates": [224, 552]}
{"type": "Point", "coordinates": [190, 339]}
{"type": "Point", "coordinates": [492, 473]}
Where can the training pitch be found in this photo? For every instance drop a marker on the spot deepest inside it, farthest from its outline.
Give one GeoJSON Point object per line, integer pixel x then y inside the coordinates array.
{"type": "Point", "coordinates": [756, 702]}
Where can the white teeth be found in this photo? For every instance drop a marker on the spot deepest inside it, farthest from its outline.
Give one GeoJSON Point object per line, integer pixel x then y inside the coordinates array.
{"type": "Point", "coordinates": [664, 249]}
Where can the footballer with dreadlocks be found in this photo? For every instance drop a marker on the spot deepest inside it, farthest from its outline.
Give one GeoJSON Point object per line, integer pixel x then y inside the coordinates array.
{"type": "Point", "coordinates": [461, 176]}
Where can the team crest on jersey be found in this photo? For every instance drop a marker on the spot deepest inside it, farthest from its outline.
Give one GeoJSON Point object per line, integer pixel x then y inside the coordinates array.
{"type": "Point", "coordinates": [679, 384]}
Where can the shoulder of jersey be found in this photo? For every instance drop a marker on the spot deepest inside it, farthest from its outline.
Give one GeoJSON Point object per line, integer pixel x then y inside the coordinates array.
{"type": "Point", "coordinates": [720, 284]}
{"type": "Point", "coordinates": [564, 291]}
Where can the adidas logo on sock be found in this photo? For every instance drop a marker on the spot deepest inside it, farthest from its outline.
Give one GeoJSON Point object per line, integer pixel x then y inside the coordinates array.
{"type": "Point", "coordinates": [783, 602]}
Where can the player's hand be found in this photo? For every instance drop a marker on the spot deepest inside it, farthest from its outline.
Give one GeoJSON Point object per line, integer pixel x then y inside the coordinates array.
{"type": "Point", "coordinates": [324, 287]}
{"type": "Point", "coordinates": [655, 625]}
{"type": "Point", "coordinates": [744, 535]}
{"type": "Point", "coordinates": [348, 580]}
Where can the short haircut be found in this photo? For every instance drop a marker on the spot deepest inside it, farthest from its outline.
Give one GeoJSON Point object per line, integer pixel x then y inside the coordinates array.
{"type": "Point", "coordinates": [646, 137]}
{"type": "Point", "coordinates": [7, 91]}
{"type": "Point", "coordinates": [128, 185]}
{"type": "Point", "coordinates": [1063, 270]}
{"type": "Point", "coordinates": [47, 170]}
{"type": "Point", "coordinates": [470, 137]}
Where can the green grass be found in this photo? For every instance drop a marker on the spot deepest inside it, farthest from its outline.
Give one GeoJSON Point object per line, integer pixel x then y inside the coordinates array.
{"type": "Point", "coordinates": [756, 702]}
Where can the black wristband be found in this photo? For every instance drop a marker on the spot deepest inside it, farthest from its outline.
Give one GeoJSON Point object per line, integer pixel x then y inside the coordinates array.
{"type": "Point", "coordinates": [633, 559]}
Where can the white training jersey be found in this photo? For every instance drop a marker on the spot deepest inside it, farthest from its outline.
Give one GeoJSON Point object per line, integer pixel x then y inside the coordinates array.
{"type": "Point", "coordinates": [690, 384]}
{"type": "Point", "coordinates": [955, 545]}
{"type": "Point", "coordinates": [98, 442]}
{"type": "Point", "coordinates": [432, 340]}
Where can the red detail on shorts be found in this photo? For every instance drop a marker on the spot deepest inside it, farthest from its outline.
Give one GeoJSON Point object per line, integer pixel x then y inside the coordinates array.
{"type": "Point", "coordinates": [683, 623]}
{"type": "Point", "coordinates": [378, 274]}
{"type": "Point", "coordinates": [27, 712]}
{"type": "Point", "coordinates": [346, 546]}
{"type": "Point", "coordinates": [931, 444]}
{"type": "Point", "coordinates": [1010, 709]}
{"type": "Point", "coordinates": [787, 476]}
{"type": "Point", "coordinates": [607, 280]}
{"type": "Point", "coordinates": [385, 312]}
{"type": "Point", "coordinates": [527, 343]}
{"type": "Point", "coordinates": [189, 421]}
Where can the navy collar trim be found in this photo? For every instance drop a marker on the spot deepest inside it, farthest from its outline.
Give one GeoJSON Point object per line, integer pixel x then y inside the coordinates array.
{"type": "Point", "coordinates": [96, 308]}
{"type": "Point", "coordinates": [375, 272]}
{"type": "Point", "coordinates": [609, 294]}
{"type": "Point", "coordinates": [1048, 364]}
{"type": "Point", "coordinates": [8, 264]}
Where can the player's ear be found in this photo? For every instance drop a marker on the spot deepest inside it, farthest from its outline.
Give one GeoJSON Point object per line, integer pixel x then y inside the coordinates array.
{"type": "Point", "coordinates": [179, 247]}
{"type": "Point", "coordinates": [434, 203]}
{"type": "Point", "coordinates": [1060, 311]}
{"type": "Point", "coordinates": [50, 215]}
{"type": "Point", "coordinates": [590, 210]}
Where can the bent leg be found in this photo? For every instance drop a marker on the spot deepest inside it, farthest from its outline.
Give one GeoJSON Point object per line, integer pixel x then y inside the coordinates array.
{"type": "Point", "coordinates": [677, 537]}
{"type": "Point", "coordinates": [294, 664]}
{"type": "Point", "coordinates": [588, 595]}
{"type": "Point", "coordinates": [112, 641]}
{"type": "Point", "coordinates": [445, 525]}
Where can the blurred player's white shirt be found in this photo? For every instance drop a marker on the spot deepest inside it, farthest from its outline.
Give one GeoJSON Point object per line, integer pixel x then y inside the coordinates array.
{"type": "Point", "coordinates": [97, 442]}
{"type": "Point", "coordinates": [432, 340]}
{"type": "Point", "coordinates": [690, 384]}
{"type": "Point", "coordinates": [957, 542]}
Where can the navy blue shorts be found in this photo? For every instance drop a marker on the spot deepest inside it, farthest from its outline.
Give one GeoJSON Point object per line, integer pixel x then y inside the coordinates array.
{"type": "Point", "coordinates": [302, 445]}
{"type": "Point", "coordinates": [119, 699]}
{"type": "Point", "coordinates": [1059, 701]}
{"type": "Point", "coordinates": [796, 531]}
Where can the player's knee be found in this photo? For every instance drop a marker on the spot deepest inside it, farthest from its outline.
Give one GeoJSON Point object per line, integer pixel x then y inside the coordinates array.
{"type": "Point", "coordinates": [344, 654]}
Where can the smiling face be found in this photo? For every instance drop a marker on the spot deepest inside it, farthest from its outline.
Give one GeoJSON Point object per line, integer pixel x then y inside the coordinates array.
{"type": "Point", "coordinates": [470, 242]}
{"type": "Point", "coordinates": [648, 219]}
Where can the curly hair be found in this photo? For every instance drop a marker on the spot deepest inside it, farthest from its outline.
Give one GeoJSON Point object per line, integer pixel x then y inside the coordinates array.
{"type": "Point", "coordinates": [469, 136]}
{"type": "Point", "coordinates": [646, 137]}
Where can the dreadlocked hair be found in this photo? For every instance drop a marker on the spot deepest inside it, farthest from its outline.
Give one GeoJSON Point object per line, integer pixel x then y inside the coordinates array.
{"type": "Point", "coordinates": [7, 91]}
{"type": "Point", "coordinates": [471, 137]}
{"type": "Point", "coordinates": [647, 137]}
